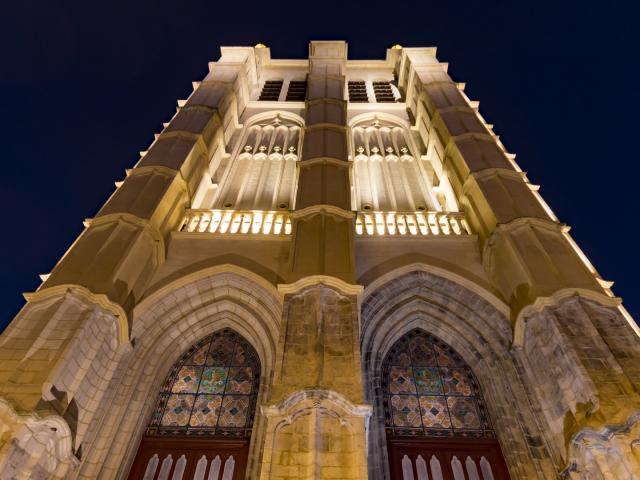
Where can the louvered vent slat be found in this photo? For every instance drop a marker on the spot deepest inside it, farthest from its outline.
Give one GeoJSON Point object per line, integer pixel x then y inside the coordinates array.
{"type": "Point", "coordinates": [358, 92]}
{"type": "Point", "coordinates": [383, 92]}
{"type": "Point", "coordinates": [271, 90]}
{"type": "Point", "coordinates": [297, 91]}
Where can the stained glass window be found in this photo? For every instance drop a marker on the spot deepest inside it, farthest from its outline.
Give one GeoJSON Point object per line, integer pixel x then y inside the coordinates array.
{"type": "Point", "coordinates": [211, 390]}
{"type": "Point", "coordinates": [429, 390]}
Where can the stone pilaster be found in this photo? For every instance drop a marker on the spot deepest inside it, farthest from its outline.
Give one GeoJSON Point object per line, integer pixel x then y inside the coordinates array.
{"type": "Point", "coordinates": [323, 221]}
{"type": "Point", "coordinates": [315, 423]}
{"type": "Point", "coordinates": [316, 427]}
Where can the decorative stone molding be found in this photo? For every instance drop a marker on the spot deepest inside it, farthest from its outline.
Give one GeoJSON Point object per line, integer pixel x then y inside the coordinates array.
{"type": "Point", "coordinates": [331, 282]}
{"type": "Point", "coordinates": [146, 225]}
{"type": "Point", "coordinates": [261, 117]}
{"type": "Point", "coordinates": [335, 162]}
{"type": "Point", "coordinates": [389, 117]}
{"type": "Point", "coordinates": [161, 170]}
{"type": "Point", "coordinates": [323, 209]}
{"type": "Point", "coordinates": [552, 301]}
{"type": "Point", "coordinates": [378, 283]}
{"type": "Point", "coordinates": [156, 295]}
{"type": "Point", "coordinates": [98, 299]}
{"type": "Point", "coordinates": [333, 429]}
{"type": "Point", "coordinates": [288, 407]}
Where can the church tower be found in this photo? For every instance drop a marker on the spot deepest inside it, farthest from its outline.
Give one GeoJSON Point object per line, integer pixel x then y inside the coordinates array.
{"type": "Point", "coordinates": [322, 269]}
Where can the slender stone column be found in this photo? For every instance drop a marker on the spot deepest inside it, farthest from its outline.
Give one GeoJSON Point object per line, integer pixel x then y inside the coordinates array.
{"type": "Point", "coordinates": [315, 425]}
{"type": "Point", "coordinates": [58, 355]}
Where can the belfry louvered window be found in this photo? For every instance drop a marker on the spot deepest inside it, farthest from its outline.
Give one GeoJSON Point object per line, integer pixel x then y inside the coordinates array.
{"type": "Point", "coordinates": [358, 92]}
{"type": "Point", "coordinates": [271, 91]}
{"type": "Point", "coordinates": [383, 92]}
{"type": "Point", "coordinates": [297, 91]}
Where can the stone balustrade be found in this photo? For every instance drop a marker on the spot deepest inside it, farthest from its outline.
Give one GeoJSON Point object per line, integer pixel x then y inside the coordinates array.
{"type": "Point", "coordinates": [367, 223]}
{"type": "Point", "coordinates": [411, 223]}
{"type": "Point", "coordinates": [237, 222]}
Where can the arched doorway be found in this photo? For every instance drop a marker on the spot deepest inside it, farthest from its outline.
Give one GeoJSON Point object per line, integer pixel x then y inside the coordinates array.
{"type": "Point", "coordinates": [436, 423]}
{"type": "Point", "coordinates": [201, 426]}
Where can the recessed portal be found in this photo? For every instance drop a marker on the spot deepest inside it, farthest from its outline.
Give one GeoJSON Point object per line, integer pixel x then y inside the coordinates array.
{"type": "Point", "coordinates": [435, 416]}
{"type": "Point", "coordinates": [201, 426]}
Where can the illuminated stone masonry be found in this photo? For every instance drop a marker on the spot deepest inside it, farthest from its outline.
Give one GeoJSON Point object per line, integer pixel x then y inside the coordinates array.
{"type": "Point", "coordinates": [322, 268]}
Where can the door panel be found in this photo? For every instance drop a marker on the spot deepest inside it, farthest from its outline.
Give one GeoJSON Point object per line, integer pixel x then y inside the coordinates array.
{"type": "Point", "coordinates": [190, 459]}
{"type": "Point", "coordinates": [446, 459]}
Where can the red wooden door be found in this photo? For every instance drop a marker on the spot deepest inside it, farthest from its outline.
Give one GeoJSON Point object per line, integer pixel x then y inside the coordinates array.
{"type": "Point", "coordinates": [190, 459]}
{"type": "Point", "coordinates": [446, 459]}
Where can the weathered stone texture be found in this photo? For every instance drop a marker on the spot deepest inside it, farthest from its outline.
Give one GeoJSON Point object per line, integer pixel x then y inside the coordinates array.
{"type": "Point", "coordinates": [556, 356]}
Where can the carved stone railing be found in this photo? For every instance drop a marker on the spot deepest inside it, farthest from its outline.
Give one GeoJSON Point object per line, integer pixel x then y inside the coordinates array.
{"type": "Point", "coordinates": [411, 223]}
{"type": "Point", "coordinates": [367, 223]}
{"type": "Point", "coordinates": [237, 222]}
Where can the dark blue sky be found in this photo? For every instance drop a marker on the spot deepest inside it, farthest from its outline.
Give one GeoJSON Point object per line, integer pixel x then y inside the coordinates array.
{"type": "Point", "coordinates": [85, 86]}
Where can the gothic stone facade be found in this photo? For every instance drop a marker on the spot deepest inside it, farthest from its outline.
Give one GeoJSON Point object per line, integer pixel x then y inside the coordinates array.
{"type": "Point", "coordinates": [321, 210]}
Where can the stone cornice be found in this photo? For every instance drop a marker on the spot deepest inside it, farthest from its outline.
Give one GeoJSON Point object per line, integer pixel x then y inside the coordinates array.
{"type": "Point", "coordinates": [472, 286]}
{"type": "Point", "coordinates": [226, 85]}
{"type": "Point", "coordinates": [197, 138]}
{"type": "Point", "coordinates": [199, 106]}
{"type": "Point", "coordinates": [146, 225]}
{"type": "Point", "coordinates": [323, 209]}
{"type": "Point", "coordinates": [502, 228]}
{"type": "Point", "coordinates": [98, 299]}
{"type": "Point", "coordinates": [154, 294]}
{"type": "Point", "coordinates": [326, 280]}
{"type": "Point", "coordinates": [161, 170]}
{"type": "Point", "coordinates": [318, 397]}
{"type": "Point", "coordinates": [327, 126]}
{"type": "Point", "coordinates": [335, 101]}
{"type": "Point", "coordinates": [474, 177]}
{"type": "Point", "coordinates": [336, 162]}
{"type": "Point", "coordinates": [546, 302]}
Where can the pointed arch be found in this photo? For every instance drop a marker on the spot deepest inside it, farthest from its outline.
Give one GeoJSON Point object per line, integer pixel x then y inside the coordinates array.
{"type": "Point", "coordinates": [429, 390]}
{"type": "Point", "coordinates": [262, 172]}
{"type": "Point", "coordinates": [468, 321]}
{"type": "Point", "coordinates": [211, 390]}
{"type": "Point", "coordinates": [165, 325]}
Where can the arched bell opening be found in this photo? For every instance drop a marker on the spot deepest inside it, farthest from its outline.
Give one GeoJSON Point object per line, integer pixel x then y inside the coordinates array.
{"type": "Point", "coordinates": [436, 422]}
{"type": "Point", "coordinates": [202, 423]}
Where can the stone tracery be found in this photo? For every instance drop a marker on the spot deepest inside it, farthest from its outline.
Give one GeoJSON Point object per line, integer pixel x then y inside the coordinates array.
{"type": "Point", "coordinates": [262, 171]}
{"type": "Point", "coordinates": [430, 391]}
{"type": "Point", "coordinates": [391, 171]}
{"type": "Point", "coordinates": [211, 390]}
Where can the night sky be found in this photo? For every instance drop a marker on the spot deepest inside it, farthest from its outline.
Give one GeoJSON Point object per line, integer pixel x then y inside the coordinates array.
{"type": "Point", "coordinates": [85, 85]}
